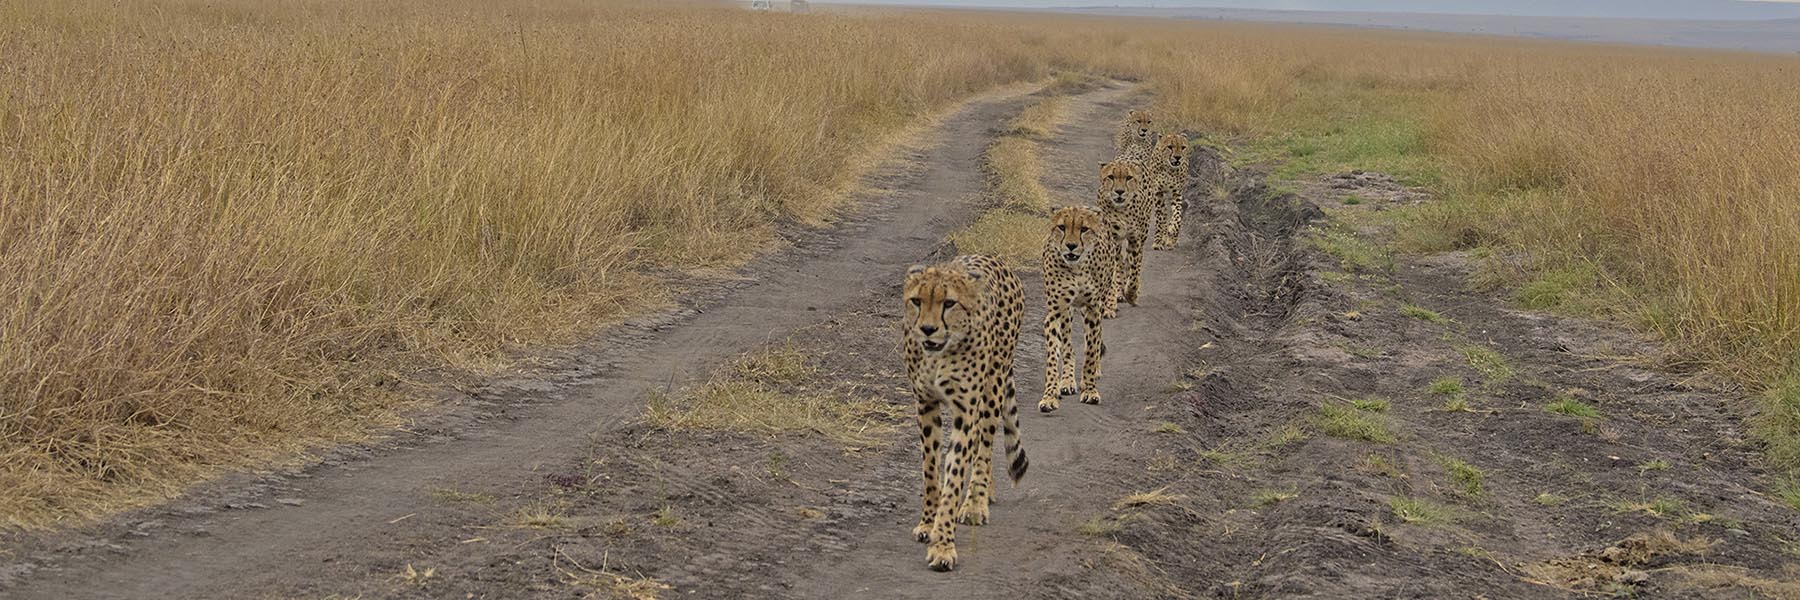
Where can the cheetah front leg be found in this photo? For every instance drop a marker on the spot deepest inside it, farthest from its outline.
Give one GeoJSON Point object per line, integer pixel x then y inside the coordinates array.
{"type": "Point", "coordinates": [1059, 357]}
{"type": "Point", "coordinates": [1134, 265]}
{"type": "Point", "coordinates": [975, 508]}
{"type": "Point", "coordinates": [1169, 224]}
{"type": "Point", "coordinates": [941, 554]}
{"type": "Point", "coordinates": [928, 439]}
{"type": "Point", "coordinates": [1095, 351]}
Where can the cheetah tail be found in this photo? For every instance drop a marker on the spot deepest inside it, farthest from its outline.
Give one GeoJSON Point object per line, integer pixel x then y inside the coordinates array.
{"type": "Point", "coordinates": [1016, 462]}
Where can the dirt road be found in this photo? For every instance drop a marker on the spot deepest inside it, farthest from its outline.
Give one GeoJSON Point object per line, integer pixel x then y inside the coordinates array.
{"type": "Point", "coordinates": [1220, 390]}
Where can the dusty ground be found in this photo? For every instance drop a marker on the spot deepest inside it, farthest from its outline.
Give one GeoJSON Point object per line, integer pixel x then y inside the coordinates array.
{"type": "Point", "coordinates": [550, 484]}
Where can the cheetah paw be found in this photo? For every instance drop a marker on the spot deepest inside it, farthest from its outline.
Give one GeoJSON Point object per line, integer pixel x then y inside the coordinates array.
{"type": "Point", "coordinates": [1049, 405]}
{"type": "Point", "coordinates": [941, 556]}
{"type": "Point", "coordinates": [973, 516]}
{"type": "Point", "coordinates": [1091, 398]}
{"type": "Point", "coordinates": [1067, 389]}
{"type": "Point", "coordinates": [922, 533]}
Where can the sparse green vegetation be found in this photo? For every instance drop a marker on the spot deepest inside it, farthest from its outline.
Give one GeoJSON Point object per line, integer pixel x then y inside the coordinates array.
{"type": "Point", "coordinates": [1456, 404]}
{"type": "Point", "coordinates": [1273, 496]}
{"type": "Point", "coordinates": [1355, 252]}
{"type": "Point", "coordinates": [1447, 386]}
{"type": "Point", "coordinates": [1493, 367]}
{"type": "Point", "coordinates": [1423, 314]}
{"type": "Point", "coordinates": [1661, 507]}
{"type": "Point", "coordinates": [1379, 464]}
{"type": "Point", "coordinates": [666, 517]}
{"type": "Point", "coordinates": [1549, 499]}
{"type": "Point", "coordinates": [1653, 465]}
{"type": "Point", "coordinates": [1568, 405]}
{"type": "Point", "coordinates": [1570, 289]}
{"type": "Point", "coordinates": [1167, 427]}
{"type": "Point", "coordinates": [1341, 421]}
{"type": "Point", "coordinates": [1370, 404]}
{"type": "Point", "coordinates": [1778, 424]}
{"type": "Point", "coordinates": [1099, 526]}
{"type": "Point", "coordinates": [756, 394]}
{"type": "Point", "coordinates": [1788, 490]}
{"type": "Point", "coordinates": [1288, 434]}
{"type": "Point", "coordinates": [1422, 512]}
{"type": "Point", "coordinates": [1225, 459]}
{"type": "Point", "coordinates": [1463, 476]}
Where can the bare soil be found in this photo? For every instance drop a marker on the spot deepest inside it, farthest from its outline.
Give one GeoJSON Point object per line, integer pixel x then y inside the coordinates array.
{"type": "Point", "coordinates": [549, 484]}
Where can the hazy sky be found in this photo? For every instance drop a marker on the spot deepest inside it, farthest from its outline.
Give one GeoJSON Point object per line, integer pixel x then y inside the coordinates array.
{"type": "Point", "coordinates": [1658, 9]}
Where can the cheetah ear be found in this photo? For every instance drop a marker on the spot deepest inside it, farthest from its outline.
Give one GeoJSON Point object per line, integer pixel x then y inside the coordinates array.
{"type": "Point", "coordinates": [915, 270]}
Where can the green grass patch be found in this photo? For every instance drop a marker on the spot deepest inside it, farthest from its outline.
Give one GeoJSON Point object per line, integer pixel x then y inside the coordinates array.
{"type": "Point", "coordinates": [1778, 425]}
{"type": "Point", "coordinates": [1788, 490]}
{"type": "Point", "coordinates": [1567, 405]}
{"type": "Point", "coordinates": [1653, 465]}
{"type": "Point", "coordinates": [1447, 386]}
{"type": "Point", "coordinates": [1569, 289]}
{"type": "Point", "coordinates": [1280, 438]}
{"type": "Point", "coordinates": [1492, 366]}
{"type": "Point", "coordinates": [1370, 404]}
{"type": "Point", "coordinates": [1423, 314]}
{"type": "Point", "coordinates": [1464, 476]}
{"type": "Point", "coordinates": [1343, 421]}
{"type": "Point", "coordinates": [1549, 499]}
{"type": "Point", "coordinates": [1167, 427]}
{"type": "Point", "coordinates": [1354, 252]}
{"type": "Point", "coordinates": [1422, 512]}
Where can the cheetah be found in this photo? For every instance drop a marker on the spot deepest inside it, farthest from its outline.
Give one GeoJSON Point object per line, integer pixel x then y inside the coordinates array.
{"type": "Point", "coordinates": [1134, 132]}
{"type": "Point", "coordinates": [1168, 178]}
{"type": "Point", "coordinates": [1126, 209]}
{"type": "Point", "coordinates": [960, 332]}
{"type": "Point", "coordinates": [1079, 262]}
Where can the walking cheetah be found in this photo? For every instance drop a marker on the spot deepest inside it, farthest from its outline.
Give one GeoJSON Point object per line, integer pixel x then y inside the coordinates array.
{"type": "Point", "coordinates": [1134, 132]}
{"type": "Point", "coordinates": [962, 327]}
{"type": "Point", "coordinates": [1168, 179]}
{"type": "Point", "coordinates": [1126, 210]}
{"type": "Point", "coordinates": [1079, 263]}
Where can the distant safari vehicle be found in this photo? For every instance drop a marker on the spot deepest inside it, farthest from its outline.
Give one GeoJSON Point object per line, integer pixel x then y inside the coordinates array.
{"type": "Point", "coordinates": [759, 5]}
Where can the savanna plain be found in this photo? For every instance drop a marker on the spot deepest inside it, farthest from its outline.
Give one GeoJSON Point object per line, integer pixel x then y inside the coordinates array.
{"type": "Point", "coordinates": [1452, 316]}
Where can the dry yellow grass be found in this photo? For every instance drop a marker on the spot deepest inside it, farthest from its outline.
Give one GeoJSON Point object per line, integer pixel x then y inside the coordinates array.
{"type": "Point", "coordinates": [230, 225]}
{"type": "Point", "coordinates": [232, 228]}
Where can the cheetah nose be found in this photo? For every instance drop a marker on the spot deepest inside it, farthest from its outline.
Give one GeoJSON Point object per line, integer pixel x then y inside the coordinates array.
{"type": "Point", "coordinates": [1073, 246]}
{"type": "Point", "coordinates": [928, 329]}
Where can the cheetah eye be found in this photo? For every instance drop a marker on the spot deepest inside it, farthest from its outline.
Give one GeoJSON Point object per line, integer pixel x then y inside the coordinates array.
{"type": "Point", "coordinates": [916, 303]}
{"type": "Point", "coordinates": [1061, 227]}
{"type": "Point", "coordinates": [1128, 178]}
{"type": "Point", "coordinates": [948, 304]}
{"type": "Point", "coordinates": [1085, 230]}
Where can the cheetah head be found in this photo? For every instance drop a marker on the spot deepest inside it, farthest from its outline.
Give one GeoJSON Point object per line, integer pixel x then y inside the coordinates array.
{"type": "Point", "coordinates": [1073, 232]}
{"type": "Point", "coordinates": [1121, 183]}
{"type": "Point", "coordinates": [1174, 147]}
{"type": "Point", "coordinates": [940, 305]}
{"type": "Point", "coordinates": [1140, 121]}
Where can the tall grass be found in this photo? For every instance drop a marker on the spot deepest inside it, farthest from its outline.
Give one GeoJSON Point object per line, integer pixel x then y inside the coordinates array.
{"type": "Point", "coordinates": [229, 225]}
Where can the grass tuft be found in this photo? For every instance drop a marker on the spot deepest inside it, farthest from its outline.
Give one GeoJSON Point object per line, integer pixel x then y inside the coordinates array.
{"type": "Point", "coordinates": [1167, 427]}
{"type": "Point", "coordinates": [1156, 497]}
{"type": "Point", "coordinates": [754, 395]}
{"type": "Point", "coordinates": [1464, 476]}
{"type": "Point", "coordinates": [1567, 405]}
{"type": "Point", "coordinates": [1447, 386]}
{"type": "Point", "coordinates": [1424, 314]}
{"type": "Point", "coordinates": [1341, 421]}
{"type": "Point", "coordinates": [1370, 404]}
{"type": "Point", "coordinates": [1421, 512]}
{"type": "Point", "coordinates": [1493, 367]}
{"type": "Point", "coordinates": [1272, 496]}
